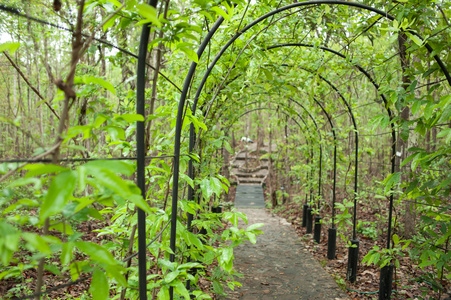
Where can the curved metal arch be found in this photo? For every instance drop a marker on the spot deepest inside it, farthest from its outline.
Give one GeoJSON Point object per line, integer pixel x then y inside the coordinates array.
{"type": "Point", "coordinates": [320, 141]}
{"type": "Point", "coordinates": [356, 135]}
{"type": "Point", "coordinates": [335, 148]}
{"type": "Point", "coordinates": [332, 238]}
{"type": "Point", "coordinates": [275, 109]}
{"type": "Point", "coordinates": [335, 159]}
{"type": "Point", "coordinates": [285, 113]}
{"type": "Point", "coordinates": [389, 112]}
{"type": "Point", "coordinates": [140, 137]}
{"type": "Point", "coordinates": [320, 147]}
{"type": "Point", "coordinates": [319, 134]}
{"type": "Point", "coordinates": [141, 154]}
{"type": "Point", "coordinates": [188, 79]}
{"type": "Point", "coordinates": [356, 145]}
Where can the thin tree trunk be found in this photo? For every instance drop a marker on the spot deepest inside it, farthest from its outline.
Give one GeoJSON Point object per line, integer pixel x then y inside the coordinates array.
{"type": "Point", "coordinates": [409, 217]}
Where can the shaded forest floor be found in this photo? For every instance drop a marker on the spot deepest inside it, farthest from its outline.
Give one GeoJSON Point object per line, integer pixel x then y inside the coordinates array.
{"type": "Point", "coordinates": [405, 284]}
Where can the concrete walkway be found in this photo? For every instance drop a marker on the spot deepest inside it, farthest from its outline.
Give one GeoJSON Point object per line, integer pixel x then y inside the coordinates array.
{"type": "Point", "coordinates": [278, 266]}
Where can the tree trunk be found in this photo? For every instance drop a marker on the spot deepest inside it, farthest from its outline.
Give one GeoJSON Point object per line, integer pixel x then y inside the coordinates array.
{"type": "Point", "coordinates": [260, 132]}
{"type": "Point", "coordinates": [403, 145]}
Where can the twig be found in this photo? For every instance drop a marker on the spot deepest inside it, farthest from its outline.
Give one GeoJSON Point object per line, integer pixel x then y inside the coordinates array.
{"type": "Point", "coordinates": [29, 84]}
{"type": "Point", "coordinates": [92, 37]}
{"type": "Point", "coordinates": [33, 159]}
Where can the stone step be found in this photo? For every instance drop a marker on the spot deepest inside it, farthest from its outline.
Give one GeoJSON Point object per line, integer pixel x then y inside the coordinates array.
{"type": "Point", "coordinates": [249, 196]}
{"type": "Point", "coordinates": [241, 157]}
{"type": "Point", "coordinates": [257, 181]}
{"type": "Point", "coordinates": [250, 175]}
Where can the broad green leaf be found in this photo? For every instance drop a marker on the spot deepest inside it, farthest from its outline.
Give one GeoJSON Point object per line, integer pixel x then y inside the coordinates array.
{"type": "Point", "coordinates": [25, 181]}
{"type": "Point", "coordinates": [227, 254]}
{"type": "Point", "coordinates": [221, 12]}
{"type": "Point", "coordinates": [391, 180]}
{"type": "Point", "coordinates": [395, 239]}
{"type": "Point", "coordinates": [139, 201]}
{"type": "Point", "coordinates": [216, 185]}
{"type": "Point", "coordinates": [408, 159]}
{"type": "Point", "coordinates": [268, 74]}
{"type": "Point", "coordinates": [194, 240]}
{"type": "Point", "coordinates": [66, 253]}
{"type": "Point", "coordinates": [96, 252]}
{"type": "Point", "coordinates": [190, 53]}
{"type": "Point", "coordinates": [130, 118]}
{"type": "Point", "coordinates": [9, 46]}
{"type": "Point", "coordinates": [251, 237]}
{"type": "Point", "coordinates": [109, 23]}
{"type": "Point", "coordinates": [416, 39]}
{"type": "Point", "coordinates": [206, 14]}
{"type": "Point", "coordinates": [405, 131]}
{"type": "Point", "coordinates": [39, 169]}
{"type": "Point", "coordinates": [103, 83]}
{"type": "Point", "coordinates": [416, 107]}
{"type": "Point", "coordinates": [163, 293]}
{"type": "Point", "coordinates": [171, 276]}
{"type": "Point", "coordinates": [100, 119]}
{"type": "Point", "coordinates": [36, 242]}
{"type": "Point", "coordinates": [326, 8]}
{"type": "Point", "coordinates": [60, 190]}
{"type": "Point", "coordinates": [149, 13]}
{"type": "Point", "coordinates": [115, 272]}
{"type": "Point", "coordinates": [180, 289]}
{"type": "Point", "coordinates": [9, 242]}
{"type": "Point", "coordinates": [185, 177]}
{"type": "Point", "coordinates": [99, 288]}
{"type": "Point", "coordinates": [116, 166]}
{"type": "Point", "coordinates": [254, 226]}
{"type": "Point", "coordinates": [205, 186]}
{"type": "Point", "coordinates": [116, 133]}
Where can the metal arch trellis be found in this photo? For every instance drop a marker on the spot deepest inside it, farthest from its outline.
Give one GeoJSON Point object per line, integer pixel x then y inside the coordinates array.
{"type": "Point", "coordinates": [320, 138]}
{"type": "Point", "coordinates": [332, 233]}
{"type": "Point", "coordinates": [306, 140]}
{"type": "Point", "coordinates": [307, 211]}
{"type": "Point", "coordinates": [141, 61]}
{"type": "Point", "coordinates": [286, 114]}
{"type": "Point", "coordinates": [238, 34]}
{"type": "Point", "coordinates": [384, 99]}
{"type": "Point", "coordinates": [389, 112]}
{"type": "Point", "coordinates": [141, 153]}
{"type": "Point", "coordinates": [317, 233]}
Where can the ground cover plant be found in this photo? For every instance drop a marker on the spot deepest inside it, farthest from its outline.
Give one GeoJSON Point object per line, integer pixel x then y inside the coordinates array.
{"type": "Point", "coordinates": [73, 140]}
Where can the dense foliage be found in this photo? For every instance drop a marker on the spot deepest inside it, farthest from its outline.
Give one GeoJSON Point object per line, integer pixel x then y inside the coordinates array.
{"type": "Point", "coordinates": [68, 98]}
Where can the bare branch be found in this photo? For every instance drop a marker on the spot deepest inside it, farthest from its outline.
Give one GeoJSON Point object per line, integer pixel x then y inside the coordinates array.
{"type": "Point", "coordinates": [29, 84]}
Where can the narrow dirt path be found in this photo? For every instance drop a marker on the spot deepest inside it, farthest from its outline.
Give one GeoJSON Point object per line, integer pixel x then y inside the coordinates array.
{"type": "Point", "coordinates": [279, 266]}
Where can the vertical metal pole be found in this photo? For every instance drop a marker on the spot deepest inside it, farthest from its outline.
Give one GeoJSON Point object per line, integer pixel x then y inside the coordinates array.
{"type": "Point", "coordinates": [386, 273]}
{"type": "Point", "coordinates": [177, 141]}
{"type": "Point", "coordinates": [141, 155]}
{"type": "Point", "coordinates": [332, 237]}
